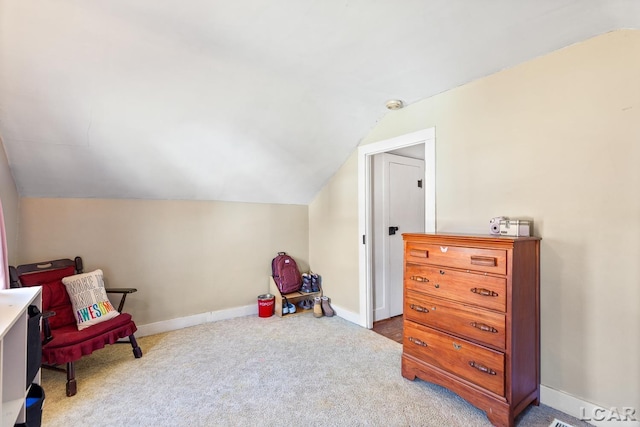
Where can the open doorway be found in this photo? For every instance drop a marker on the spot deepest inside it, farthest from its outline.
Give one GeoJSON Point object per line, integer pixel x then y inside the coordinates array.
{"type": "Point", "coordinates": [421, 140]}
{"type": "Point", "coordinates": [397, 206]}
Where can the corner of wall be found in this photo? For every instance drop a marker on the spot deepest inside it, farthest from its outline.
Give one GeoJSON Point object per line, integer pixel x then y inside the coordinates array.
{"type": "Point", "coordinates": [10, 204]}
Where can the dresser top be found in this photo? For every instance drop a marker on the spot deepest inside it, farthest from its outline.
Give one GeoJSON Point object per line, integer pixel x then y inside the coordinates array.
{"type": "Point", "coordinates": [466, 237]}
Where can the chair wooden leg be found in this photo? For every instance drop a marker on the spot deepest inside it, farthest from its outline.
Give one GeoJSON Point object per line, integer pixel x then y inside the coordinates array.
{"type": "Point", "coordinates": [71, 380]}
{"type": "Point", "coordinates": [137, 351]}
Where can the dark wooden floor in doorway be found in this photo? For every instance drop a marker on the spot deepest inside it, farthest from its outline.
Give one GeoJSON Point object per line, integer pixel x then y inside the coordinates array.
{"type": "Point", "coordinates": [390, 328]}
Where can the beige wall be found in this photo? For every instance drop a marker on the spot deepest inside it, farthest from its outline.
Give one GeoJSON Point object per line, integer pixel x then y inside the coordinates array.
{"type": "Point", "coordinates": [10, 204]}
{"type": "Point", "coordinates": [333, 229]}
{"type": "Point", "coordinates": [183, 257]}
{"type": "Point", "coordinates": [556, 139]}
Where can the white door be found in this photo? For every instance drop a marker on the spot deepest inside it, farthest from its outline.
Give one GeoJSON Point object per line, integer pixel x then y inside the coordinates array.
{"type": "Point", "coordinates": [398, 208]}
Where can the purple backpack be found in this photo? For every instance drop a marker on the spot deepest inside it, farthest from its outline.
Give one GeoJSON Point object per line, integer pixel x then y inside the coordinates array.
{"type": "Point", "coordinates": [285, 273]}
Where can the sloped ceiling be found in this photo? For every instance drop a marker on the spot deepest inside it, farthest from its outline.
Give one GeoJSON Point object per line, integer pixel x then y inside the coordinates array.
{"type": "Point", "coordinates": [242, 100]}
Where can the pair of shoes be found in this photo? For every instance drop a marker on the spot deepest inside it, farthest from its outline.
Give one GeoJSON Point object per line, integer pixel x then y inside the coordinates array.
{"type": "Point", "coordinates": [326, 308]}
{"type": "Point", "coordinates": [306, 283]}
{"type": "Point", "coordinates": [321, 307]}
{"type": "Point", "coordinates": [306, 304]}
{"type": "Point", "coordinates": [315, 283]}
{"type": "Point", "coordinates": [287, 307]}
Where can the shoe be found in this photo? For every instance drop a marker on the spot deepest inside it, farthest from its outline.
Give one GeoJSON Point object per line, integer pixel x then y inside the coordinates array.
{"type": "Point", "coordinates": [306, 283]}
{"type": "Point", "coordinates": [306, 304]}
{"type": "Point", "coordinates": [317, 307]}
{"type": "Point", "coordinates": [326, 308]}
{"type": "Point", "coordinates": [287, 307]}
{"type": "Point", "coordinates": [315, 283]}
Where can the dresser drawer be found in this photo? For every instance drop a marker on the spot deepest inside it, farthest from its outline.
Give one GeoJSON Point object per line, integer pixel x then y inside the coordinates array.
{"type": "Point", "coordinates": [468, 288]}
{"type": "Point", "coordinates": [479, 365]}
{"type": "Point", "coordinates": [484, 260]}
{"type": "Point", "coordinates": [482, 326]}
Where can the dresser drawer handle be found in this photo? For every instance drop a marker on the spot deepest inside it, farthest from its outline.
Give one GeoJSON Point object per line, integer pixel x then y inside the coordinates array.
{"type": "Point", "coordinates": [418, 308]}
{"type": "Point", "coordinates": [419, 279]}
{"type": "Point", "coordinates": [484, 261]}
{"type": "Point", "coordinates": [484, 327]}
{"type": "Point", "coordinates": [419, 254]}
{"type": "Point", "coordinates": [484, 292]}
{"type": "Point", "coordinates": [416, 341]}
{"type": "Point", "coordinates": [482, 368]}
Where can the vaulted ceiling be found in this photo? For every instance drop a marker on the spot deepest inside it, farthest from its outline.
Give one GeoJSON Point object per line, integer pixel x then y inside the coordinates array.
{"type": "Point", "coordinates": [243, 100]}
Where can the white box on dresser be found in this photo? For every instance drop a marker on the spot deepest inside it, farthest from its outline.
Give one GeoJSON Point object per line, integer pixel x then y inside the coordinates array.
{"type": "Point", "coordinates": [471, 318]}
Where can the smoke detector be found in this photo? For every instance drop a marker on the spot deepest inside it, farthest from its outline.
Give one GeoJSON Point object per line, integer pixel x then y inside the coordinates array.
{"type": "Point", "coordinates": [394, 104]}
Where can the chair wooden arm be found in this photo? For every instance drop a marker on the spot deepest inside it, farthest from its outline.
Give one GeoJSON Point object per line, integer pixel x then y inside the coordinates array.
{"type": "Point", "coordinates": [124, 292]}
{"type": "Point", "coordinates": [48, 313]}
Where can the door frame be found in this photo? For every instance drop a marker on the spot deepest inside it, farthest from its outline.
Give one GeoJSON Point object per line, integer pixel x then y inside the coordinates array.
{"type": "Point", "coordinates": [365, 226]}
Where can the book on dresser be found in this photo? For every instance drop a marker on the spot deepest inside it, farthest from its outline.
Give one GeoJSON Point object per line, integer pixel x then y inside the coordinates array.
{"type": "Point", "coordinates": [471, 318]}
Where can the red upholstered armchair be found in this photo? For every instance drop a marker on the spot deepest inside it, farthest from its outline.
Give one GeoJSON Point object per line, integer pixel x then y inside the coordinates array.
{"type": "Point", "coordinates": [62, 342]}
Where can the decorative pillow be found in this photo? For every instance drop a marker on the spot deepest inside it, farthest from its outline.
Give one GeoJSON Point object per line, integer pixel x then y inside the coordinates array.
{"type": "Point", "coordinates": [89, 299]}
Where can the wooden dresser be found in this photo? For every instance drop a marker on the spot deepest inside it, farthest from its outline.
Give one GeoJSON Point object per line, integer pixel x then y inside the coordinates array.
{"type": "Point", "coordinates": [471, 318]}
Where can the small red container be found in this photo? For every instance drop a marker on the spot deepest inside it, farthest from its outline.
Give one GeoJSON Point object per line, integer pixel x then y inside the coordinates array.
{"type": "Point", "coordinates": [266, 304]}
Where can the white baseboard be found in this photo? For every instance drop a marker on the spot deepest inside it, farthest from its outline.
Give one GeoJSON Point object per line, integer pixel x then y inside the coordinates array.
{"type": "Point", "coordinates": [196, 319]}
{"type": "Point", "coordinates": [212, 316]}
{"type": "Point", "coordinates": [587, 411]}
{"type": "Point", "coordinates": [346, 314]}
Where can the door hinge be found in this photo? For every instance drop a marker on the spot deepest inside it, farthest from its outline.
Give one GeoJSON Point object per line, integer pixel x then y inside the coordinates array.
{"type": "Point", "coordinates": [419, 183]}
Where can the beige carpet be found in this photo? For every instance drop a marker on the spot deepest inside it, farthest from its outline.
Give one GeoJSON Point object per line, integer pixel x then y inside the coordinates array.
{"type": "Point", "coordinates": [253, 371]}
